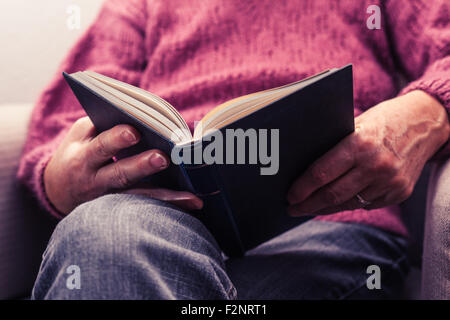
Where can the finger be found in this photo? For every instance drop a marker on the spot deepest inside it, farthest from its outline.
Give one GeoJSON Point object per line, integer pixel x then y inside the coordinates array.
{"type": "Point", "coordinates": [334, 194]}
{"type": "Point", "coordinates": [373, 194]}
{"type": "Point", "coordinates": [108, 143]}
{"type": "Point", "coordinates": [82, 129]}
{"type": "Point", "coordinates": [384, 198]}
{"type": "Point", "coordinates": [128, 171]}
{"type": "Point", "coordinates": [327, 168]}
{"type": "Point", "coordinates": [182, 199]}
{"type": "Point", "coordinates": [349, 205]}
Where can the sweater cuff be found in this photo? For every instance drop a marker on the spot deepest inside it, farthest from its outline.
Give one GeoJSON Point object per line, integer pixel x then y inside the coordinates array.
{"type": "Point", "coordinates": [439, 88]}
{"type": "Point", "coordinates": [39, 187]}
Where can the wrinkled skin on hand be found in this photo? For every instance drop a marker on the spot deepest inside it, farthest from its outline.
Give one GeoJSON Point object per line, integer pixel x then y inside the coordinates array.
{"type": "Point", "coordinates": [81, 169]}
{"type": "Point", "coordinates": [381, 161]}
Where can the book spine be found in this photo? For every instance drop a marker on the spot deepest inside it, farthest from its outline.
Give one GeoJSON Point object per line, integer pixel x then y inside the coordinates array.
{"type": "Point", "coordinates": [216, 213]}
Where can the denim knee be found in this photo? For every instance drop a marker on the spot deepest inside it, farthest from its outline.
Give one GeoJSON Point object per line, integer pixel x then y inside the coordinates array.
{"type": "Point", "coordinates": [119, 223]}
{"type": "Point", "coordinates": [130, 246]}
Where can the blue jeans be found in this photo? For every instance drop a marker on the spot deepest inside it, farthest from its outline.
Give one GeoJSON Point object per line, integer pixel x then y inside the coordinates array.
{"type": "Point", "coordinates": [133, 247]}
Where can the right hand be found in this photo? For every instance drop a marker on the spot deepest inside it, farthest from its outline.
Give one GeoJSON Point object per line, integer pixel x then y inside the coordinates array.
{"type": "Point", "coordinates": [81, 168]}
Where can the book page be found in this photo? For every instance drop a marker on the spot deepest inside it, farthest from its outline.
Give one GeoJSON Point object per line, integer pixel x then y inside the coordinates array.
{"type": "Point", "coordinates": [150, 99]}
{"type": "Point", "coordinates": [240, 107]}
{"type": "Point", "coordinates": [135, 108]}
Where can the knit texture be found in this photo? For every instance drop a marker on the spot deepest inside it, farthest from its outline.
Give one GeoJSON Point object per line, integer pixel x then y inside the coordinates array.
{"type": "Point", "coordinates": [197, 54]}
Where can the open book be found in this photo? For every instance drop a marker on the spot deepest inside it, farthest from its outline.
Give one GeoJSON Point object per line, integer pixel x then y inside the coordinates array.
{"type": "Point", "coordinates": [162, 117]}
{"type": "Point", "coordinates": [279, 131]}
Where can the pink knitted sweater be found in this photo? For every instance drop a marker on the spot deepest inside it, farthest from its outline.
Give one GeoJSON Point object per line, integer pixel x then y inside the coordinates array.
{"type": "Point", "coordinates": [197, 54]}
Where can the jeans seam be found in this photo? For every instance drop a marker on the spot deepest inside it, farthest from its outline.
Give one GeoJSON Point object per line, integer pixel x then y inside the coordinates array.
{"type": "Point", "coordinates": [231, 291]}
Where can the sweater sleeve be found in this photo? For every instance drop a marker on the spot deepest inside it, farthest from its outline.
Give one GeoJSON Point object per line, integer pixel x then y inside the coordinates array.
{"type": "Point", "coordinates": [113, 45]}
{"type": "Point", "coordinates": [420, 34]}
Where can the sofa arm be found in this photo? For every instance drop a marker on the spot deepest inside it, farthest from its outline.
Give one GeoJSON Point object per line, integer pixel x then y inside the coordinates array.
{"type": "Point", "coordinates": [24, 229]}
{"type": "Point", "coordinates": [436, 255]}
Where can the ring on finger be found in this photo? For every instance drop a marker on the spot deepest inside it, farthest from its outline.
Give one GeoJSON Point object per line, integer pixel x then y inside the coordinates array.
{"type": "Point", "coordinates": [363, 202]}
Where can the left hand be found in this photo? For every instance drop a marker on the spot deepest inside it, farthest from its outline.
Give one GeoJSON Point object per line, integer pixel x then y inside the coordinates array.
{"type": "Point", "coordinates": [380, 162]}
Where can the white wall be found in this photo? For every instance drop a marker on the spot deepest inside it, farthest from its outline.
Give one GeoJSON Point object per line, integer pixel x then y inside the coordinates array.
{"type": "Point", "coordinates": [34, 37]}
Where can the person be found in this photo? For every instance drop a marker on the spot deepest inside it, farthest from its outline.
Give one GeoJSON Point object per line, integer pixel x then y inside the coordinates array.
{"type": "Point", "coordinates": [136, 242]}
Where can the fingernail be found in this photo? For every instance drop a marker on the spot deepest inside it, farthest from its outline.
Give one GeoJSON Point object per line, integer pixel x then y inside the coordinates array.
{"type": "Point", "coordinates": [158, 161]}
{"type": "Point", "coordinates": [129, 136]}
{"type": "Point", "coordinates": [293, 198]}
{"type": "Point", "coordinates": [295, 212]}
{"type": "Point", "coordinates": [190, 204]}
{"type": "Point", "coordinates": [290, 198]}
{"type": "Point", "coordinates": [198, 203]}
